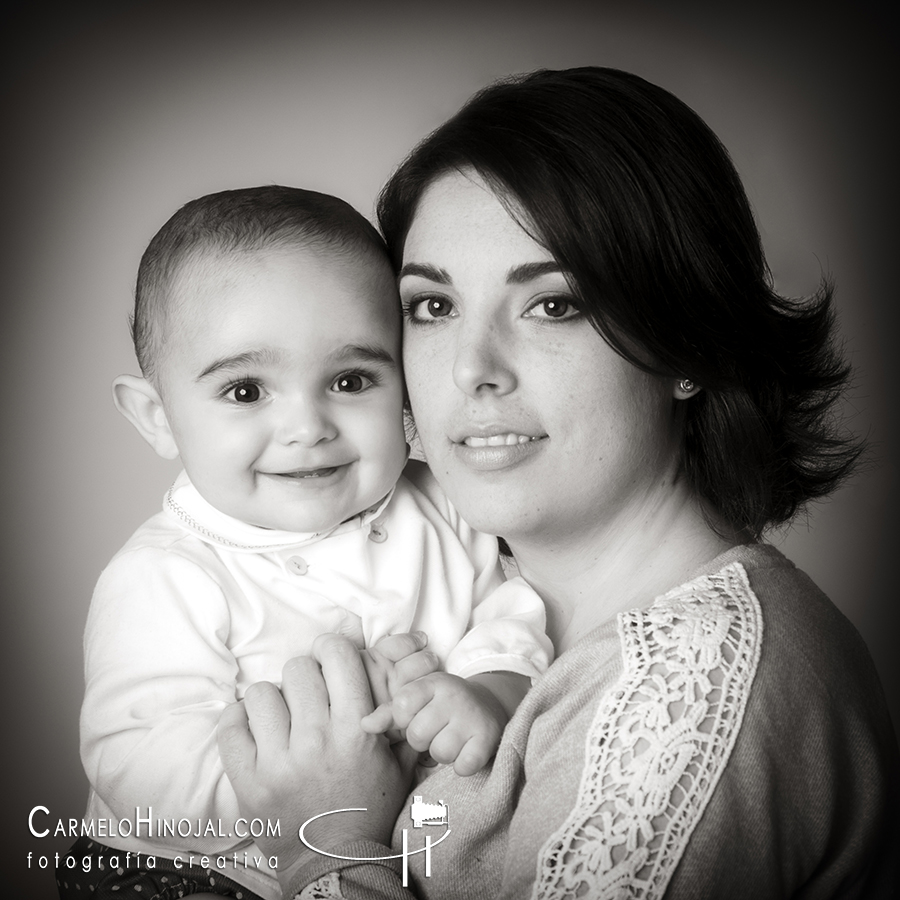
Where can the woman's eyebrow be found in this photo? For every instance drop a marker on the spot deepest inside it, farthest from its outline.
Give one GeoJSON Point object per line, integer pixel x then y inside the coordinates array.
{"type": "Point", "coordinates": [516, 275]}
{"type": "Point", "coordinates": [529, 271]}
{"type": "Point", "coordinates": [432, 273]}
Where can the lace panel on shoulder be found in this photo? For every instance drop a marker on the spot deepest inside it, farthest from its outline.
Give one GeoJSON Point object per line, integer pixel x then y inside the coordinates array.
{"type": "Point", "coordinates": [659, 741]}
{"type": "Point", "coordinates": [328, 887]}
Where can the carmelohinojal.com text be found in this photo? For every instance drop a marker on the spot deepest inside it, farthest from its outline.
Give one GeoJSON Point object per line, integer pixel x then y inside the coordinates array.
{"type": "Point", "coordinates": [148, 826]}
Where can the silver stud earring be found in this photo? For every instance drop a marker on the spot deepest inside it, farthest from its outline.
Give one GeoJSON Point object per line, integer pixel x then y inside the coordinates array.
{"type": "Point", "coordinates": [686, 385]}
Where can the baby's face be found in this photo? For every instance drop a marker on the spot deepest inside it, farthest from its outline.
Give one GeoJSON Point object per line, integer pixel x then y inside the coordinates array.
{"type": "Point", "coordinates": [282, 385]}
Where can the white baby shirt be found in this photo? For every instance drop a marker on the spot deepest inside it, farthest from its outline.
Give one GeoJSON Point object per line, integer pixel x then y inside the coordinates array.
{"type": "Point", "coordinates": [197, 606]}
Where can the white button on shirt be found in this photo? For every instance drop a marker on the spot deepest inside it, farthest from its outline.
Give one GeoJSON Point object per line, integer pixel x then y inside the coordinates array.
{"type": "Point", "coordinates": [297, 565]}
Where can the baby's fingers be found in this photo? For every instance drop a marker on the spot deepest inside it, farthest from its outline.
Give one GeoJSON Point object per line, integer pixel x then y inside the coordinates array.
{"type": "Point", "coordinates": [425, 726]}
{"type": "Point", "coordinates": [379, 720]}
{"type": "Point", "coordinates": [394, 647]}
{"type": "Point", "coordinates": [468, 754]}
{"type": "Point", "coordinates": [474, 756]}
{"type": "Point", "coordinates": [411, 701]}
{"type": "Point", "coordinates": [411, 667]}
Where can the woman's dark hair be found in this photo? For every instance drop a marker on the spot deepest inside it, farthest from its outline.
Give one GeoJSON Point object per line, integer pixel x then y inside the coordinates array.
{"type": "Point", "coordinates": [640, 204]}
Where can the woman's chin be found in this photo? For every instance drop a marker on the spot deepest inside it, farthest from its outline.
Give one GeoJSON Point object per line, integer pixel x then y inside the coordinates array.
{"type": "Point", "coordinates": [513, 511]}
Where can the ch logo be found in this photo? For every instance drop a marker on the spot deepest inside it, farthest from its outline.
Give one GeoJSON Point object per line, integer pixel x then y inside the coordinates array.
{"type": "Point", "coordinates": [420, 812]}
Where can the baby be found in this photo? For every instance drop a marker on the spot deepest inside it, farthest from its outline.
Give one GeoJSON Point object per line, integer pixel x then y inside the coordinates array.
{"type": "Point", "coordinates": [267, 329]}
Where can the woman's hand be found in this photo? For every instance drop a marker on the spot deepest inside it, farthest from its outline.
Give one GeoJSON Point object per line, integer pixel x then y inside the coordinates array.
{"type": "Point", "coordinates": [294, 754]}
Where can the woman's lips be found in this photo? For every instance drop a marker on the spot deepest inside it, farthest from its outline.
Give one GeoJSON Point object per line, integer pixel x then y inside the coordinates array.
{"type": "Point", "coordinates": [492, 452]}
{"type": "Point", "coordinates": [498, 440]}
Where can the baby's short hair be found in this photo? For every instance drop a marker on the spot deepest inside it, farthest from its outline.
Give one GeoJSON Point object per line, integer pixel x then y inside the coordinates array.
{"type": "Point", "coordinates": [244, 220]}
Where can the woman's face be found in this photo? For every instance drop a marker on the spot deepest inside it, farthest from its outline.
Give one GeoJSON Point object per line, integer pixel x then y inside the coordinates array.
{"type": "Point", "coordinates": [534, 427]}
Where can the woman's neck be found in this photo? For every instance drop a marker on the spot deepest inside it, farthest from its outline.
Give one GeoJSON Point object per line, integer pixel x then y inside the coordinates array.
{"type": "Point", "coordinates": [592, 576]}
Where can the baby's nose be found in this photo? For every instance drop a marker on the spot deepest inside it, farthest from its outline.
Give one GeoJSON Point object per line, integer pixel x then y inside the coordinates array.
{"type": "Point", "coordinates": [306, 423]}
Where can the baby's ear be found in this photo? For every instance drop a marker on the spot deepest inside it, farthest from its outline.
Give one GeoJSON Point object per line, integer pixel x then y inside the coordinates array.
{"type": "Point", "coordinates": [141, 404]}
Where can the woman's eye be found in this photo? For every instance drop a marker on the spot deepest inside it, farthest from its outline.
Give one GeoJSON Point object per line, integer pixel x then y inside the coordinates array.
{"type": "Point", "coordinates": [429, 308]}
{"type": "Point", "coordinates": [246, 392]}
{"type": "Point", "coordinates": [557, 307]}
{"type": "Point", "coordinates": [351, 383]}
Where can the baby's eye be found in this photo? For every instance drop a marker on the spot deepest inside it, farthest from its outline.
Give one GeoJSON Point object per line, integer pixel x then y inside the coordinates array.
{"type": "Point", "coordinates": [245, 392]}
{"type": "Point", "coordinates": [429, 308]}
{"type": "Point", "coordinates": [556, 307]}
{"type": "Point", "coordinates": [351, 383]}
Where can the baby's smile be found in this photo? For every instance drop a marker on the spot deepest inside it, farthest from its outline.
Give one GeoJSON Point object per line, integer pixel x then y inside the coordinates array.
{"type": "Point", "coordinates": [323, 472]}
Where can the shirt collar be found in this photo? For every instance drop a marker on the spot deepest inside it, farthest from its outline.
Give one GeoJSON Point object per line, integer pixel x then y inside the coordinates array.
{"type": "Point", "coordinates": [184, 503]}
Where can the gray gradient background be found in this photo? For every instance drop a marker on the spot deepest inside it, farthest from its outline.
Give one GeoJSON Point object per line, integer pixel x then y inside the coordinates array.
{"type": "Point", "coordinates": [116, 117]}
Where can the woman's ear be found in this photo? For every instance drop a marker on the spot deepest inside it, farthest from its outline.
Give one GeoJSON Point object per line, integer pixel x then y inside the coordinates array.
{"type": "Point", "coordinates": [141, 404]}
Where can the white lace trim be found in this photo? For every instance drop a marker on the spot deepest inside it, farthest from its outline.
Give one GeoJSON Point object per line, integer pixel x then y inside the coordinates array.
{"type": "Point", "coordinates": [659, 742]}
{"type": "Point", "coordinates": [328, 887]}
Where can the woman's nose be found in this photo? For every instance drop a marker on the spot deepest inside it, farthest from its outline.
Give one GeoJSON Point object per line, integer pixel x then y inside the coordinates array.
{"type": "Point", "coordinates": [306, 423]}
{"type": "Point", "coordinates": [484, 362]}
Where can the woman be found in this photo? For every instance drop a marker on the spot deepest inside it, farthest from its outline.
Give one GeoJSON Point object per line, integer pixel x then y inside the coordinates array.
{"type": "Point", "coordinates": [601, 372]}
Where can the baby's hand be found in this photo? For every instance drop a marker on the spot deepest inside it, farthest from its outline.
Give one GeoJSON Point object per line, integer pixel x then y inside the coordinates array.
{"type": "Point", "coordinates": [395, 661]}
{"type": "Point", "coordinates": [457, 721]}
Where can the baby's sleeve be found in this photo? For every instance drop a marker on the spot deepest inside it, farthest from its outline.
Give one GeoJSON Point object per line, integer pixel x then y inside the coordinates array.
{"type": "Point", "coordinates": [505, 628]}
{"type": "Point", "coordinates": [158, 674]}
{"type": "Point", "coordinates": [506, 634]}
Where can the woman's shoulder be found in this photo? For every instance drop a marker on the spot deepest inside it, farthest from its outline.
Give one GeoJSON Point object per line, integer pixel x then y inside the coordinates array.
{"type": "Point", "coordinates": [806, 638]}
{"type": "Point", "coordinates": [792, 619]}
{"type": "Point", "coordinates": [802, 660]}
{"type": "Point", "coordinates": [812, 774]}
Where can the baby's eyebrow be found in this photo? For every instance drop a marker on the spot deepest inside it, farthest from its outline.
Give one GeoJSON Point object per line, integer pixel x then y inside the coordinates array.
{"type": "Point", "coordinates": [238, 360]}
{"type": "Point", "coordinates": [363, 353]}
{"type": "Point", "coordinates": [350, 353]}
